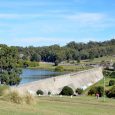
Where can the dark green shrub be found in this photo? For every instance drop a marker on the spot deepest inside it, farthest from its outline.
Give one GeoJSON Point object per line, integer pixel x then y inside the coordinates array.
{"type": "Point", "coordinates": [79, 91]}
{"type": "Point", "coordinates": [92, 91]}
{"type": "Point", "coordinates": [49, 93]}
{"type": "Point", "coordinates": [59, 69]}
{"type": "Point", "coordinates": [111, 82]}
{"type": "Point", "coordinates": [56, 63]}
{"type": "Point", "coordinates": [3, 88]}
{"type": "Point", "coordinates": [96, 89]}
{"type": "Point", "coordinates": [67, 91]}
{"type": "Point", "coordinates": [113, 74]}
{"type": "Point", "coordinates": [111, 93]}
{"type": "Point", "coordinates": [39, 92]}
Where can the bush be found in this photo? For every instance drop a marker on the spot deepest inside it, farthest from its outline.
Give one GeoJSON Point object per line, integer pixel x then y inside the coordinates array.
{"type": "Point", "coordinates": [92, 91]}
{"type": "Point", "coordinates": [30, 64]}
{"type": "Point", "coordinates": [111, 82]}
{"type": "Point", "coordinates": [39, 92]}
{"type": "Point", "coordinates": [96, 89]}
{"type": "Point", "coordinates": [49, 93]}
{"type": "Point", "coordinates": [79, 91]}
{"type": "Point", "coordinates": [3, 88]}
{"type": "Point", "coordinates": [113, 74]}
{"type": "Point", "coordinates": [111, 93]}
{"type": "Point", "coordinates": [59, 69]}
{"type": "Point", "coordinates": [56, 63]}
{"type": "Point", "coordinates": [67, 91]}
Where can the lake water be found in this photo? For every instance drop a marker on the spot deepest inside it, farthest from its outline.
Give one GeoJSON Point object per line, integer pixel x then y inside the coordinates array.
{"type": "Point", "coordinates": [29, 75]}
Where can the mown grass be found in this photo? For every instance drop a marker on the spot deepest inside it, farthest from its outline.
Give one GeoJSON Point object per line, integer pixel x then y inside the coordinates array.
{"type": "Point", "coordinates": [100, 59]}
{"type": "Point", "coordinates": [82, 105]}
{"type": "Point", "coordinates": [50, 66]}
{"type": "Point", "coordinates": [74, 66]}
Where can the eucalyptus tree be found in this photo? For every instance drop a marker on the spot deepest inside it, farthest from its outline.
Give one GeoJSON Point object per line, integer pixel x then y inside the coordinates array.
{"type": "Point", "coordinates": [9, 73]}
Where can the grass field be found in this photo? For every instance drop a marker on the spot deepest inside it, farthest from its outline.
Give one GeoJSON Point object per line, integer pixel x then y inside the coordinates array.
{"type": "Point", "coordinates": [83, 105]}
{"type": "Point", "coordinates": [50, 66]}
{"type": "Point", "coordinates": [98, 60]}
{"type": "Point", "coordinates": [74, 66]}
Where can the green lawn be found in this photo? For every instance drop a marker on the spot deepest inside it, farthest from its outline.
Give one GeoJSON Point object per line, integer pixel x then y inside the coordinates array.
{"type": "Point", "coordinates": [74, 66]}
{"type": "Point", "coordinates": [83, 105]}
{"type": "Point", "coordinates": [49, 66]}
{"type": "Point", "coordinates": [98, 60]}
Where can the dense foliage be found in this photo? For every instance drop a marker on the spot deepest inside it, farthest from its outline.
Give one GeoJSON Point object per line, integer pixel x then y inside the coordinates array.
{"type": "Point", "coordinates": [111, 93]}
{"type": "Point", "coordinates": [72, 51]}
{"type": "Point", "coordinates": [9, 73]}
{"type": "Point", "coordinates": [79, 91]}
{"type": "Point", "coordinates": [95, 90]}
{"type": "Point", "coordinates": [39, 92]}
{"type": "Point", "coordinates": [68, 91]}
{"type": "Point", "coordinates": [111, 82]}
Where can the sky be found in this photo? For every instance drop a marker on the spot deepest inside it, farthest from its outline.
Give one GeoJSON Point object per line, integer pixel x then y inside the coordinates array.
{"type": "Point", "coordinates": [48, 22]}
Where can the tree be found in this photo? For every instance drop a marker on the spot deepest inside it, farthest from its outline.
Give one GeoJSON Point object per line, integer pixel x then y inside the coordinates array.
{"type": "Point", "coordinates": [67, 91]}
{"type": "Point", "coordinates": [36, 57]}
{"type": "Point", "coordinates": [9, 74]}
{"type": "Point", "coordinates": [91, 55]}
{"type": "Point", "coordinates": [96, 89]}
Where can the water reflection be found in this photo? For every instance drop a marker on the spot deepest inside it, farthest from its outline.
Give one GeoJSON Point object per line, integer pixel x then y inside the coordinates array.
{"type": "Point", "coordinates": [29, 75]}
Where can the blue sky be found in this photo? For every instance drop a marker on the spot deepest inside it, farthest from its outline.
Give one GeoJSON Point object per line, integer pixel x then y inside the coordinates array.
{"type": "Point", "coordinates": [47, 22]}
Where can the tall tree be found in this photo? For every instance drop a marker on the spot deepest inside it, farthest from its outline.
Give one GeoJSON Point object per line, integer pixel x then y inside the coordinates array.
{"type": "Point", "coordinates": [9, 73]}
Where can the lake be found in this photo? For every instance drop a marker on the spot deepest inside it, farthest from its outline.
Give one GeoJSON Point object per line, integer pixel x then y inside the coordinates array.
{"type": "Point", "coordinates": [30, 75]}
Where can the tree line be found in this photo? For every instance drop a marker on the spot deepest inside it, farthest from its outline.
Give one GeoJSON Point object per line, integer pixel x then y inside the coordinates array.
{"type": "Point", "coordinates": [71, 51]}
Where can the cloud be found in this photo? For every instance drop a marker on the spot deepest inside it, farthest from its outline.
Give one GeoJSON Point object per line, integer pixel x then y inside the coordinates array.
{"type": "Point", "coordinates": [39, 40]}
{"type": "Point", "coordinates": [51, 40]}
{"type": "Point", "coordinates": [88, 18]}
{"type": "Point", "coordinates": [19, 16]}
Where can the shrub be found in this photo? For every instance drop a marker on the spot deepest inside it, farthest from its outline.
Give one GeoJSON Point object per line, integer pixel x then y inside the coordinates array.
{"type": "Point", "coordinates": [30, 64]}
{"type": "Point", "coordinates": [39, 92]}
{"type": "Point", "coordinates": [67, 91]}
{"type": "Point", "coordinates": [79, 91]}
{"type": "Point", "coordinates": [113, 74]}
{"type": "Point", "coordinates": [111, 93]}
{"type": "Point", "coordinates": [3, 88]}
{"type": "Point", "coordinates": [96, 89]}
{"type": "Point", "coordinates": [49, 93]}
{"type": "Point", "coordinates": [56, 63]}
{"type": "Point", "coordinates": [92, 91]}
{"type": "Point", "coordinates": [59, 69]}
{"type": "Point", "coordinates": [111, 82]}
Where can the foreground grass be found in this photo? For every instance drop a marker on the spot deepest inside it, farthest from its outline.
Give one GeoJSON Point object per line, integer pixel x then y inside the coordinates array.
{"type": "Point", "coordinates": [61, 106]}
